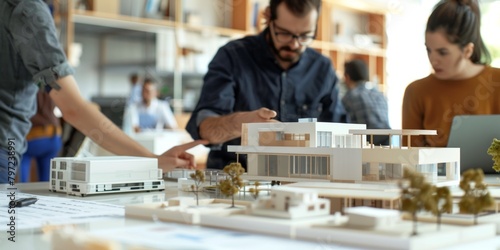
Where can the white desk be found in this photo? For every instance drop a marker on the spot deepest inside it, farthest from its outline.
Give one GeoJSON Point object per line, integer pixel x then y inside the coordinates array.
{"type": "Point", "coordinates": [33, 239]}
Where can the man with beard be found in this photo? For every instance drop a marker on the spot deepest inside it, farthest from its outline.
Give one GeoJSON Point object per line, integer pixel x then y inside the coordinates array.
{"type": "Point", "coordinates": [270, 77]}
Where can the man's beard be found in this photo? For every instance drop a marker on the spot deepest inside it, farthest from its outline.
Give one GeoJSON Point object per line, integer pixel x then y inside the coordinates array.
{"type": "Point", "coordinates": [284, 48]}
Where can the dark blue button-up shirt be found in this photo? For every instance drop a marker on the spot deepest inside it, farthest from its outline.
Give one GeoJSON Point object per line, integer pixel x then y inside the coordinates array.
{"type": "Point", "coordinates": [244, 75]}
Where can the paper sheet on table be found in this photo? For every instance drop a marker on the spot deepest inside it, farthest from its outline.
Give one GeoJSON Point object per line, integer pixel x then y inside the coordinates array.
{"type": "Point", "coordinates": [55, 210]}
{"type": "Point", "coordinates": [176, 236]}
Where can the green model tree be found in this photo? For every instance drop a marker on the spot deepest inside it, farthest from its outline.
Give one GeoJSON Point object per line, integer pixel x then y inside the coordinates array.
{"type": "Point", "coordinates": [443, 201]}
{"type": "Point", "coordinates": [255, 190]}
{"type": "Point", "coordinates": [476, 195]}
{"type": "Point", "coordinates": [199, 178]}
{"type": "Point", "coordinates": [232, 184]}
{"type": "Point", "coordinates": [494, 151]}
{"type": "Point", "coordinates": [416, 195]}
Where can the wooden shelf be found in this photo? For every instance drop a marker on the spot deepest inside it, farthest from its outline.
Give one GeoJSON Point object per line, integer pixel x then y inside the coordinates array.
{"type": "Point", "coordinates": [154, 25]}
{"type": "Point", "coordinates": [121, 21]}
{"type": "Point", "coordinates": [369, 18]}
{"type": "Point", "coordinates": [145, 24]}
{"type": "Point", "coordinates": [366, 6]}
{"type": "Point", "coordinates": [346, 48]}
{"type": "Point", "coordinates": [372, 11]}
{"type": "Point", "coordinates": [140, 63]}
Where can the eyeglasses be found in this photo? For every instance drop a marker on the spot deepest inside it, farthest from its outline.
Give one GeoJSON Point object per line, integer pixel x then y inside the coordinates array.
{"type": "Point", "coordinates": [286, 37]}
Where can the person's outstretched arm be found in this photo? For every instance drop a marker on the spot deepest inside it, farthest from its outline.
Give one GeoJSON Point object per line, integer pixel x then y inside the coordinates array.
{"type": "Point", "coordinates": [224, 128]}
{"type": "Point", "coordinates": [80, 114]}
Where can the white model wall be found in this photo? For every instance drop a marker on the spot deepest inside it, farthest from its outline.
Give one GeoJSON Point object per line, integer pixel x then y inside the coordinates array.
{"type": "Point", "coordinates": [346, 164]}
{"type": "Point", "coordinates": [338, 128]}
{"type": "Point", "coordinates": [255, 128]}
{"type": "Point", "coordinates": [411, 156]}
{"type": "Point", "coordinates": [310, 128]}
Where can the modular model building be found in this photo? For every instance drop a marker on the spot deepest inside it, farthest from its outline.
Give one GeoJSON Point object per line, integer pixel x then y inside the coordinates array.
{"type": "Point", "coordinates": [105, 174]}
{"type": "Point", "coordinates": [291, 203]}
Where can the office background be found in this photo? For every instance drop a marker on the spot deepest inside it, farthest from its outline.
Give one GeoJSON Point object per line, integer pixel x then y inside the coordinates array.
{"type": "Point", "coordinates": [109, 55]}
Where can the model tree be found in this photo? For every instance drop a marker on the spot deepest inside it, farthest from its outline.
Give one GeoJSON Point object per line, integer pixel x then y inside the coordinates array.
{"type": "Point", "coordinates": [255, 190]}
{"type": "Point", "coordinates": [494, 151]}
{"type": "Point", "coordinates": [476, 195]}
{"type": "Point", "coordinates": [444, 203]}
{"type": "Point", "coordinates": [199, 178]}
{"type": "Point", "coordinates": [233, 182]}
{"type": "Point", "coordinates": [416, 195]}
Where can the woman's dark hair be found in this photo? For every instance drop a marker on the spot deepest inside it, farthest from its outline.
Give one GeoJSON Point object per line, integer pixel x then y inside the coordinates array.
{"type": "Point", "coordinates": [297, 7]}
{"type": "Point", "coordinates": [460, 20]}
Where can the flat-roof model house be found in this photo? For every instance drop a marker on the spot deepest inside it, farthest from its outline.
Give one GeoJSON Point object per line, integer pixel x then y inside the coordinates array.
{"type": "Point", "coordinates": [104, 174]}
{"type": "Point", "coordinates": [291, 203]}
{"type": "Point", "coordinates": [323, 151]}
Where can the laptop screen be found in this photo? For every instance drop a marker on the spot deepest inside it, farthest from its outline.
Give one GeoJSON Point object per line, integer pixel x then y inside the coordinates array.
{"type": "Point", "coordinates": [473, 134]}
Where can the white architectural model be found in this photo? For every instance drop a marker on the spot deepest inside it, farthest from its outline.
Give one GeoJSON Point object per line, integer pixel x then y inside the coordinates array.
{"type": "Point", "coordinates": [338, 152]}
{"type": "Point", "coordinates": [105, 174]}
{"type": "Point", "coordinates": [343, 195]}
{"type": "Point", "coordinates": [284, 202]}
{"type": "Point", "coordinates": [291, 203]}
{"type": "Point", "coordinates": [364, 227]}
{"type": "Point", "coordinates": [373, 218]}
{"type": "Point", "coordinates": [398, 236]}
{"type": "Point", "coordinates": [184, 209]}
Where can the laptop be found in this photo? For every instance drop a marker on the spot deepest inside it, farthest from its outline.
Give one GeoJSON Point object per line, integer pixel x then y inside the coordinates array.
{"type": "Point", "coordinates": [473, 134]}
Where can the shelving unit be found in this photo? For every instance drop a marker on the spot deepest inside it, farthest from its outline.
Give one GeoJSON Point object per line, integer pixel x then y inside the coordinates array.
{"type": "Point", "coordinates": [363, 21]}
{"type": "Point", "coordinates": [335, 36]}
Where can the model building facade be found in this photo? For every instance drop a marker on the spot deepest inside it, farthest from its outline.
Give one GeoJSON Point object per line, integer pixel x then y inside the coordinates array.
{"type": "Point", "coordinates": [339, 152]}
{"type": "Point", "coordinates": [105, 174]}
{"type": "Point", "coordinates": [292, 203]}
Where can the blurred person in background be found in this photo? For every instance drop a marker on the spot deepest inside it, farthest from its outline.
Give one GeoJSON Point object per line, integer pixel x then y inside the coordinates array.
{"type": "Point", "coordinates": [44, 140]}
{"type": "Point", "coordinates": [462, 81]}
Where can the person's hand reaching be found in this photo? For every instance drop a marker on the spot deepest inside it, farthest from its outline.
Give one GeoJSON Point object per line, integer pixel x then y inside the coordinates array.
{"type": "Point", "coordinates": [224, 128]}
{"type": "Point", "coordinates": [177, 157]}
{"type": "Point", "coordinates": [259, 115]}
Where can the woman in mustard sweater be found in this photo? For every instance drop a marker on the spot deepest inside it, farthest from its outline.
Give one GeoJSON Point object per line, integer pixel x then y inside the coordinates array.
{"type": "Point", "coordinates": [462, 81]}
